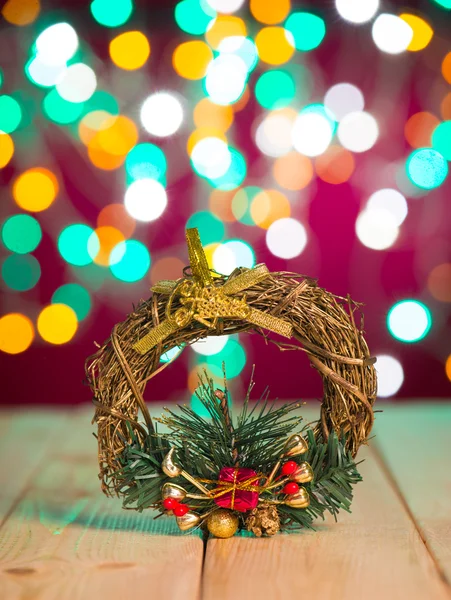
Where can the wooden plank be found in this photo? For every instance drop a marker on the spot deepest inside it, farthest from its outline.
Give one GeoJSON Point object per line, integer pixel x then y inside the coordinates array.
{"type": "Point", "coordinates": [375, 552]}
{"type": "Point", "coordinates": [415, 443]}
{"type": "Point", "coordinates": [65, 539]}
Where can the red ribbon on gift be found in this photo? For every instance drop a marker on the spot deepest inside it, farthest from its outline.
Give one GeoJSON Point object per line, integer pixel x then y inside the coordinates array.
{"type": "Point", "coordinates": [237, 489]}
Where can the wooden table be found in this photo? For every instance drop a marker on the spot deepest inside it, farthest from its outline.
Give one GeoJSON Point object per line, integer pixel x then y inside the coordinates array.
{"type": "Point", "coordinates": [60, 538]}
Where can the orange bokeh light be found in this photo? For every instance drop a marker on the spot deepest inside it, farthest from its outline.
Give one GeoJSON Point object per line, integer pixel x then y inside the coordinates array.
{"type": "Point", "coordinates": [242, 100]}
{"type": "Point", "coordinates": [269, 206]}
{"type": "Point", "coordinates": [335, 166]}
{"type": "Point", "coordinates": [109, 237]}
{"type": "Point", "coordinates": [92, 123]}
{"type": "Point", "coordinates": [293, 171]}
{"type": "Point", "coordinates": [448, 367]}
{"type": "Point", "coordinates": [6, 149]}
{"type": "Point", "coordinates": [119, 137]}
{"type": "Point", "coordinates": [446, 67]}
{"type": "Point", "coordinates": [269, 12]}
{"type": "Point", "coordinates": [169, 267]}
{"type": "Point", "coordinates": [130, 50]}
{"type": "Point", "coordinates": [102, 159]}
{"type": "Point", "coordinates": [208, 114]}
{"type": "Point", "coordinates": [419, 129]}
{"type": "Point", "coordinates": [273, 46]}
{"type": "Point", "coordinates": [191, 59]}
{"type": "Point", "coordinates": [16, 333]}
{"type": "Point", "coordinates": [224, 26]}
{"type": "Point", "coordinates": [116, 215]}
{"type": "Point", "coordinates": [445, 107]}
{"type": "Point", "coordinates": [21, 12]}
{"type": "Point", "coordinates": [36, 189]}
{"type": "Point", "coordinates": [439, 282]}
{"type": "Point", "coordinates": [220, 204]}
{"type": "Point", "coordinates": [201, 134]}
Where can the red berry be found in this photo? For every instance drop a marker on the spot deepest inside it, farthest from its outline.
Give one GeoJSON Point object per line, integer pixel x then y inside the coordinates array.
{"type": "Point", "coordinates": [290, 488]}
{"type": "Point", "coordinates": [289, 467]}
{"type": "Point", "coordinates": [181, 510]}
{"type": "Point", "coordinates": [170, 503]}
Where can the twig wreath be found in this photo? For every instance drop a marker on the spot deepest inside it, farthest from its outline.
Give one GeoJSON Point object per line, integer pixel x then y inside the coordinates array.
{"type": "Point", "coordinates": [263, 471]}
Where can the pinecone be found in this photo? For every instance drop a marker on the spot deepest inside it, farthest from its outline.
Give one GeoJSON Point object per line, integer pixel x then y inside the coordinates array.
{"type": "Point", "coordinates": [263, 520]}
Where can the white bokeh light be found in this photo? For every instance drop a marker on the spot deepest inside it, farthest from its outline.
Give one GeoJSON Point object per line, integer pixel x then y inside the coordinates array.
{"type": "Point", "coordinates": [225, 6]}
{"type": "Point", "coordinates": [377, 228]}
{"type": "Point", "coordinates": [357, 11]}
{"type": "Point", "coordinates": [145, 199]}
{"type": "Point", "coordinates": [210, 345]}
{"type": "Point", "coordinates": [211, 157]}
{"type": "Point", "coordinates": [390, 375]}
{"type": "Point", "coordinates": [274, 135]}
{"type": "Point", "coordinates": [233, 254]}
{"type": "Point", "coordinates": [161, 114]}
{"type": "Point", "coordinates": [286, 238]}
{"type": "Point", "coordinates": [409, 320]}
{"type": "Point", "coordinates": [226, 79]}
{"type": "Point", "coordinates": [240, 46]}
{"type": "Point", "coordinates": [391, 34]}
{"type": "Point", "coordinates": [57, 44]}
{"type": "Point", "coordinates": [390, 200]}
{"type": "Point", "coordinates": [44, 74]}
{"type": "Point", "coordinates": [311, 133]}
{"type": "Point", "coordinates": [358, 131]}
{"type": "Point", "coordinates": [344, 98]}
{"type": "Point", "coordinates": [77, 83]}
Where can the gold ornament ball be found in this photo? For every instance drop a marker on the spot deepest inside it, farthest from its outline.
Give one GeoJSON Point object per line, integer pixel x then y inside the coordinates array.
{"type": "Point", "coordinates": [222, 523]}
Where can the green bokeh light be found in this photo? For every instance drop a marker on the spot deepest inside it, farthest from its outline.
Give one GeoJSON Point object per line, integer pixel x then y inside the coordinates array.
{"type": "Point", "coordinates": [193, 16]}
{"type": "Point", "coordinates": [409, 321]}
{"type": "Point", "coordinates": [426, 168]}
{"type": "Point", "coordinates": [308, 30]}
{"type": "Point", "coordinates": [146, 161]}
{"type": "Point", "coordinates": [1, 77]}
{"type": "Point", "coordinates": [444, 3]}
{"type": "Point", "coordinates": [243, 47]}
{"type": "Point", "coordinates": [130, 261]}
{"type": "Point", "coordinates": [241, 204]}
{"type": "Point", "coordinates": [111, 13]}
{"type": "Point", "coordinates": [76, 297]}
{"type": "Point", "coordinates": [10, 114]}
{"type": "Point", "coordinates": [441, 139]}
{"type": "Point", "coordinates": [275, 89]}
{"type": "Point", "coordinates": [21, 272]}
{"type": "Point", "coordinates": [73, 244]}
{"type": "Point", "coordinates": [21, 234]}
{"type": "Point", "coordinates": [59, 110]}
{"type": "Point", "coordinates": [211, 229]}
{"type": "Point", "coordinates": [101, 100]}
{"type": "Point", "coordinates": [235, 174]}
{"type": "Point", "coordinates": [234, 356]}
{"type": "Point", "coordinates": [171, 354]}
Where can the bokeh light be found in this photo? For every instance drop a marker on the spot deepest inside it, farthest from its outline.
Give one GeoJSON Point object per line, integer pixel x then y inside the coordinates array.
{"type": "Point", "coordinates": [274, 134]}
{"type": "Point", "coordinates": [117, 136]}
{"type": "Point", "coordinates": [207, 114]}
{"type": "Point", "coordinates": [21, 12]}
{"type": "Point", "coordinates": [439, 282]}
{"type": "Point", "coordinates": [57, 324]}
{"type": "Point", "coordinates": [130, 261]}
{"type": "Point", "coordinates": [10, 114]}
{"type": "Point", "coordinates": [426, 168]}
{"type": "Point", "coordinates": [377, 228]}
{"type": "Point", "coordinates": [335, 165]}
{"type": "Point", "coordinates": [16, 333]}
{"type": "Point", "coordinates": [235, 174]}
{"type": "Point", "coordinates": [116, 215]}
{"type": "Point", "coordinates": [275, 89]}
{"type": "Point", "coordinates": [77, 83]}
{"type": "Point", "coordinates": [342, 99]}
{"type": "Point", "coordinates": [275, 45]}
{"type": "Point", "coordinates": [232, 254]}
{"type": "Point", "coordinates": [222, 27]}
{"type": "Point", "coordinates": [21, 272]}
{"type": "Point", "coordinates": [226, 79]}
{"type": "Point", "coordinates": [21, 234]}
{"type": "Point", "coordinates": [445, 109]}
{"type": "Point", "coordinates": [168, 267]}
{"type": "Point", "coordinates": [161, 114]}
{"type": "Point", "coordinates": [419, 128]}
{"type": "Point", "coordinates": [76, 244]}
{"type": "Point", "coordinates": [130, 50]}
{"type": "Point", "coordinates": [422, 31]}
{"type": "Point", "coordinates": [76, 297]}
{"type": "Point", "coordinates": [171, 354]}
{"type": "Point", "coordinates": [390, 200]}
{"type": "Point", "coordinates": [191, 59]}
{"type": "Point", "coordinates": [286, 238]}
{"type": "Point", "coordinates": [101, 244]}
{"type": "Point", "coordinates": [145, 199]}
{"type": "Point", "coordinates": [43, 74]}
{"type": "Point", "coordinates": [220, 204]}
{"type": "Point", "coordinates": [409, 320]}
{"type": "Point", "coordinates": [233, 354]}
{"type": "Point", "coordinates": [308, 30]}
{"type": "Point", "coordinates": [391, 34]}
{"type": "Point", "coordinates": [390, 375]}
{"type": "Point", "coordinates": [241, 204]}
{"type": "Point", "coordinates": [241, 46]}
{"type": "Point", "coordinates": [56, 44]}
{"type": "Point", "coordinates": [269, 12]}
{"type": "Point", "coordinates": [59, 110]}
{"type": "Point", "coordinates": [225, 6]}
{"type": "Point", "coordinates": [441, 139]}
{"type": "Point", "coordinates": [312, 133]}
{"type": "Point", "coordinates": [6, 149]}
{"type": "Point", "coordinates": [146, 161]}
{"type": "Point", "coordinates": [211, 157]}
{"type": "Point", "coordinates": [358, 131]}
{"type": "Point", "coordinates": [193, 16]}
{"type": "Point", "coordinates": [210, 345]}
{"type": "Point", "coordinates": [111, 13]}
{"type": "Point", "coordinates": [357, 11]}
{"type": "Point", "coordinates": [293, 171]}
{"type": "Point", "coordinates": [36, 189]}
{"type": "Point", "coordinates": [211, 229]}
{"type": "Point", "coordinates": [446, 67]}
{"type": "Point", "coordinates": [268, 206]}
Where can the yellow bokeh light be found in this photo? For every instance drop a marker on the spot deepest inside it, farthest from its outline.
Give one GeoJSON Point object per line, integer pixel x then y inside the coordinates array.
{"type": "Point", "coordinates": [224, 26]}
{"type": "Point", "coordinates": [422, 32]}
{"type": "Point", "coordinates": [92, 123]}
{"type": "Point", "coordinates": [269, 206]}
{"type": "Point", "coordinates": [129, 50]}
{"type": "Point", "coordinates": [35, 189]}
{"type": "Point", "coordinates": [21, 12]}
{"type": "Point", "coordinates": [446, 67]}
{"type": "Point", "coordinates": [109, 237]}
{"type": "Point", "coordinates": [201, 134]}
{"type": "Point", "coordinates": [116, 215]}
{"type": "Point", "coordinates": [448, 367]}
{"type": "Point", "coordinates": [270, 12]}
{"type": "Point", "coordinates": [6, 149]}
{"type": "Point", "coordinates": [102, 159]}
{"type": "Point", "coordinates": [119, 137]}
{"type": "Point", "coordinates": [16, 333]}
{"type": "Point", "coordinates": [273, 45]}
{"type": "Point", "coordinates": [293, 171]}
{"type": "Point", "coordinates": [191, 59]}
{"type": "Point", "coordinates": [208, 114]}
{"type": "Point", "coordinates": [57, 323]}
{"type": "Point", "coordinates": [209, 251]}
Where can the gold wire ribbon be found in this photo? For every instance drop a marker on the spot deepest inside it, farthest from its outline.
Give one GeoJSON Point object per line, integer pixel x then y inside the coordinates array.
{"type": "Point", "coordinates": [205, 302]}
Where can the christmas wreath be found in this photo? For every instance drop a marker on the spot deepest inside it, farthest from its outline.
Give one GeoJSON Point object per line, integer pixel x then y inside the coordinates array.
{"type": "Point", "coordinates": [264, 471]}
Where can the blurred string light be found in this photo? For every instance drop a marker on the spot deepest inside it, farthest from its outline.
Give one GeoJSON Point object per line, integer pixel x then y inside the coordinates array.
{"type": "Point", "coordinates": [307, 30]}
{"type": "Point", "coordinates": [111, 13]}
{"type": "Point", "coordinates": [73, 244]}
{"type": "Point", "coordinates": [439, 282]}
{"type": "Point", "coordinates": [16, 333]}
{"type": "Point", "coordinates": [56, 44]}
{"type": "Point", "coordinates": [35, 189]}
{"type": "Point", "coordinates": [419, 128]}
{"type": "Point", "coordinates": [231, 255]}
{"type": "Point", "coordinates": [210, 345]}
{"type": "Point", "coordinates": [426, 168]}
{"type": "Point", "coordinates": [193, 16]}
{"type": "Point", "coordinates": [240, 46]}
{"type": "Point", "coordinates": [377, 228]}
{"type": "Point", "coordinates": [391, 34]}
{"type": "Point", "coordinates": [57, 324]}
{"type": "Point", "coordinates": [211, 229]}
{"type": "Point", "coordinates": [21, 272]}
{"type": "Point", "coordinates": [275, 89]}
{"type": "Point", "coordinates": [10, 114]}
{"type": "Point", "coordinates": [274, 135]}
{"type": "Point", "coordinates": [191, 59]}
{"type": "Point", "coordinates": [357, 11]}
{"type": "Point", "coordinates": [275, 45]}
{"type": "Point", "coordinates": [342, 99]}
{"type": "Point", "coordinates": [130, 261]}
{"type": "Point", "coordinates": [390, 375]}
{"type": "Point", "coordinates": [161, 114]}
{"type": "Point", "coordinates": [129, 50]}
{"type": "Point", "coordinates": [441, 139]}
{"type": "Point", "coordinates": [211, 157]}
{"type": "Point", "coordinates": [6, 149]}
{"type": "Point", "coordinates": [21, 234]}
{"type": "Point", "coordinates": [409, 321]}
{"type": "Point", "coordinates": [335, 165]}
{"type": "Point", "coordinates": [358, 131]}
{"type": "Point", "coordinates": [145, 199]}
{"type": "Point", "coordinates": [21, 12]}
{"type": "Point", "coordinates": [146, 161]}
{"type": "Point", "coordinates": [293, 171]}
{"type": "Point", "coordinates": [77, 83]}
{"type": "Point", "coordinates": [422, 32]}
{"type": "Point", "coordinates": [389, 200]}
{"type": "Point", "coordinates": [286, 238]}
{"type": "Point", "coordinates": [226, 79]}
{"type": "Point", "coordinates": [312, 133]}
{"type": "Point", "coordinates": [268, 206]}
{"type": "Point", "coordinates": [76, 297]}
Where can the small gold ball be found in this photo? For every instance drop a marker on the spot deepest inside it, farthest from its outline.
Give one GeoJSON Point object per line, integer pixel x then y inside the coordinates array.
{"type": "Point", "coordinates": [222, 523]}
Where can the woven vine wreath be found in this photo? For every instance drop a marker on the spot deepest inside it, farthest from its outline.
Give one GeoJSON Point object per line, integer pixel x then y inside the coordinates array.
{"type": "Point", "coordinates": [263, 471]}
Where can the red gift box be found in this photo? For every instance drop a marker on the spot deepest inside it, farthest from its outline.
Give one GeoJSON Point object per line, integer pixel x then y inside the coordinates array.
{"type": "Point", "coordinates": [239, 484]}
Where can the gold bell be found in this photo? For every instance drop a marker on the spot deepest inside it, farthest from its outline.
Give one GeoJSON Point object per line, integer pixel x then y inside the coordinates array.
{"type": "Point", "coordinates": [299, 500]}
{"type": "Point", "coordinates": [188, 521]}
{"type": "Point", "coordinates": [295, 445]}
{"type": "Point", "coordinates": [170, 490]}
{"type": "Point", "coordinates": [303, 474]}
{"type": "Point", "coordinates": [168, 465]}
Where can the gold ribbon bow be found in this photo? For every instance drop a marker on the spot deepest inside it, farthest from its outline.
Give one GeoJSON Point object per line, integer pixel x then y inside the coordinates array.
{"type": "Point", "coordinates": [205, 302]}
